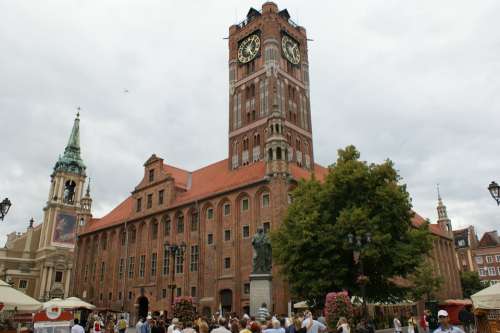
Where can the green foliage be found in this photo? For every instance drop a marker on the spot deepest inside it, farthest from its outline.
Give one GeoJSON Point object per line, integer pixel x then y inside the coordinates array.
{"type": "Point", "coordinates": [425, 282]}
{"type": "Point", "coordinates": [471, 283]}
{"type": "Point", "coordinates": [312, 247]}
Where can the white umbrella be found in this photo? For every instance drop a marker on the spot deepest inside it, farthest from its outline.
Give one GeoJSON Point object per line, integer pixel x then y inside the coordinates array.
{"type": "Point", "coordinates": [68, 303]}
{"type": "Point", "coordinates": [13, 299]}
{"type": "Point", "coordinates": [301, 305]}
{"type": "Point", "coordinates": [488, 298]}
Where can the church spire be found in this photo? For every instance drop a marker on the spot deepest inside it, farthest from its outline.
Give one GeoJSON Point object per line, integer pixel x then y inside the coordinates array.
{"type": "Point", "coordinates": [71, 160]}
{"type": "Point", "coordinates": [443, 220]}
{"type": "Point", "coordinates": [87, 193]}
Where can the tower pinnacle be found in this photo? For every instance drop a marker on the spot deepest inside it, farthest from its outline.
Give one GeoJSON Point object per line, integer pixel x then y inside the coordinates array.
{"type": "Point", "coordinates": [71, 160]}
{"type": "Point", "coordinates": [443, 220]}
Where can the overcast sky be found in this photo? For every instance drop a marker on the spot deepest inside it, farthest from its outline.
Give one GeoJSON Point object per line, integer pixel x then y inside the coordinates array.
{"type": "Point", "coordinates": [414, 81]}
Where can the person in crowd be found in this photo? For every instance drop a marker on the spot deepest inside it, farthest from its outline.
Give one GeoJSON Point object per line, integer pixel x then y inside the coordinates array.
{"type": "Point", "coordinates": [424, 321]}
{"type": "Point", "coordinates": [412, 325]}
{"type": "Point", "coordinates": [110, 325]}
{"type": "Point", "coordinates": [76, 327]}
{"type": "Point", "coordinates": [203, 326]}
{"type": "Point", "coordinates": [97, 325]}
{"type": "Point", "coordinates": [362, 327]}
{"type": "Point", "coordinates": [444, 324]}
{"type": "Point", "coordinates": [255, 327]}
{"type": "Point", "coordinates": [311, 325]}
{"type": "Point", "coordinates": [398, 328]}
{"type": "Point", "coordinates": [263, 313]}
{"type": "Point", "coordinates": [171, 327]}
{"type": "Point", "coordinates": [244, 324]}
{"type": "Point", "coordinates": [122, 325]}
{"type": "Point", "coordinates": [188, 328]}
{"type": "Point", "coordinates": [221, 328]}
{"type": "Point", "coordinates": [343, 326]}
{"type": "Point", "coordinates": [296, 326]}
{"type": "Point", "coordinates": [234, 326]}
{"type": "Point", "coordinates": [138, 326]}
{"type": "Point", "coordinates": [466, 318]}
{"type": "Point", "coordinates": [160, 327]}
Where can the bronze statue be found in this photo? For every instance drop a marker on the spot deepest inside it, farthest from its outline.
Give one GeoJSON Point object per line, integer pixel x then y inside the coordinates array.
{"type": "Point", "coordinates": [261, 253]}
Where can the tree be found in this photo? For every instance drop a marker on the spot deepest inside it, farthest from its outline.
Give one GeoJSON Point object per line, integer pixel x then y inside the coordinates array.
{"type": "Point", "coordinates": [425, 283]}
{"type": "Point", "coordinates": [311, 246]}
{"type": "Point", "coordinates": [471, 283]}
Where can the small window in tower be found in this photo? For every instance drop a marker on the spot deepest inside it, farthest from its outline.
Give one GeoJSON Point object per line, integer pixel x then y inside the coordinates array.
{"type": "Point", "coordinates": [246, 231]}
{"type": "Point", "coordinates": [227, 263]}
{"type": "Point", "coordinates": [210, 239]}
{"type": "Point", "coordinates": [59, 276]}
{"type": "Point", "coordinates": [23, 284]}
{"type": "Point", "coordinates": [151, 175]}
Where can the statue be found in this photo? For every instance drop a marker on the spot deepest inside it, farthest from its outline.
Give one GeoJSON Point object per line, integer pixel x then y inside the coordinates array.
{"type": "Point", "coordinates": [261, 252]}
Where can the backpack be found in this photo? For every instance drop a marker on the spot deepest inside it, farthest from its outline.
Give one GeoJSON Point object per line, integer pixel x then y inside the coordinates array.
{"type": "Point", "coordinates": [122, 324]}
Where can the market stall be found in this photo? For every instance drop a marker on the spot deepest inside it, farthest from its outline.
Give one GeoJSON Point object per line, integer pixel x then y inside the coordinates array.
{"type": "Point", "coordinates": [487, 309]}
{"type": "Point", "coordinates": [16, 308]}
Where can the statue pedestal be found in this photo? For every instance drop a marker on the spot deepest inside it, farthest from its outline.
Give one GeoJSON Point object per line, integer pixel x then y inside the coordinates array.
{"type": "Point", "coordinates": [260, 292]}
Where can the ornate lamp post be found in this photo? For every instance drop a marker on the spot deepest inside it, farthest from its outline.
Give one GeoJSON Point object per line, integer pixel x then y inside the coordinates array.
{"type": "Point", "coordinates": [357, 244]}
{"type": "Point", "coordinates": [494, 189]}
{"type": "Point", "coordinates": [4, 208]}
{"type": "Point", "coordinates": [174, 250]}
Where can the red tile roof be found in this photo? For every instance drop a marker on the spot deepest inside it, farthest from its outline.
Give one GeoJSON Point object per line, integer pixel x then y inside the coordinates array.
{"type": "Point", "coordinates": [118, 215]}
{"type": "Point", "coordinates": [417, 221]}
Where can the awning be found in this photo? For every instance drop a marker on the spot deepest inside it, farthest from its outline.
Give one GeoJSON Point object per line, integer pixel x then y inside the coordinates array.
{"type": "Point", "coordinates": [488, 299]}
{"type": "Point", "coordinates": [68, 303]}
{"type": "Point", "coordinates": [14, 299]}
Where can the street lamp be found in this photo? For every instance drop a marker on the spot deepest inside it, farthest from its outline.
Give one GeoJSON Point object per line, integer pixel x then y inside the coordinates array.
{"type": "Point", "coordinates": [174, 250]}
{"type": "Point", "coordinates": [4, 208]}
{"type": "Point", "coordinates": [357, 244]}
{"type": "Point", "coordinates": [494, 189]}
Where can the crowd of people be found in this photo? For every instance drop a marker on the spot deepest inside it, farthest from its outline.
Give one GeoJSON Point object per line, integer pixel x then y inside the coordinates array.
{"type": "Point", "coordinates": [263, 322]}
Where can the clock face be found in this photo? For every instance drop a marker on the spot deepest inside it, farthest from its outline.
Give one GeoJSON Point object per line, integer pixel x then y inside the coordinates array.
{"type": "Point", "coordinates": [249, 48]}
{"type": "Point", "coordinates": [290, 49]}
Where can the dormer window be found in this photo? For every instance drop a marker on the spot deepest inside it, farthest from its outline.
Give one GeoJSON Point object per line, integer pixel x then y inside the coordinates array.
{"type": "Point", "coordinates": [151, 175]}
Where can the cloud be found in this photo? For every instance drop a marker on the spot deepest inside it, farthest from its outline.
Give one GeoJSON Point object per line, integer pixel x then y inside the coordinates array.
{"type": "Point", "coordinates": [413, 81]}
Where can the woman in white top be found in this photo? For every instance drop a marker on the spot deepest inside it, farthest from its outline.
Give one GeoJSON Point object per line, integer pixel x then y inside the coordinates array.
{"type": "Point", "coordinates": [343, 326]}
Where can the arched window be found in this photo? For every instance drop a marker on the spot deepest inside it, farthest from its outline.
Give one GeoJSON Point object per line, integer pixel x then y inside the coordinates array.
{"type": "Point", "coordinates": [278, 153]}
{"type": "Point", "coordinates": [167, 225]}
{"type": "Point", "coordinates": [154, 229]}
{"type": "Point", "coordinates": [297, 144]}
{"type": "Point", "coordinates": [270, 154]}
{"type": "Point", "coordinates": [194, 220]}
{"type": "Point", "coordinates": [180, 223]}
{"type": "Point", "coordinates": [69, 192]}
{"type": "Point", "coordinates": [132, 235]}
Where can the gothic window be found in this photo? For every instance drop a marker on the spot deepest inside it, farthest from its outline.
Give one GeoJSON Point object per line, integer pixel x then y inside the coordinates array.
{"type": "Point", "coordinates": [265, 200]}
{"type": "Point", "coordinates": [179, 262]}
{"type": "Point", "coordinates": [166, 226]}
{"type": "Point", "coordinates": [103, 269]}
{"type": "Point", "coordinates": [263, 95]}
{"type": "Point", "coordinates": [256, 139]}
{"type": "Point", "coordinates": [131, 263]}
{"type": "Point", "coordinates": [120, 268]}
{"type": "Point", "coordinates": [150, 200]}
{"type": "Point", "coordinates": [69, 192]}
{"type": "Point", "coordinates": [195, 254]}
{"type": "Point", "coordinates": [227, 209]}
{"type": "Point", "coordinates": [210, 213]}
{"type": "Point", "coordinates": [154, 229]}
{"type": "Point", "coordinates": [244, 204]}
{"type": "Point", "coordinates": [132, 235]}
{"type": "Point", "coordinates": [123, 237]}
{"type": "Point", "coordinates": [245, 143]}
{"type": "Point", "coordinates": [151, 175]}
{"type": "Point", "coordinates": [253, 114]}
{"type": "Point", "coordinates": [297, 144]}
{"type": "Point", "coordinates": [194, 220]}
{"type": "Point", "coordinates": [166, 260]}
{"type": "Point", "coordinates": [142, 265]}
{"type": "Point", "coordinates": [180, 224]}
{"type": "Point", "coordinates": [154, 259]}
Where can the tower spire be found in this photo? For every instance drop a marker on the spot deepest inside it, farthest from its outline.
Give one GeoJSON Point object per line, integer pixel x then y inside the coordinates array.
{"type": "Point", "coordinates": [443, 219]}
{"type": "Point", "coordinates": [71, 160]}
{"type": "Point", "coordinates": [87, 193]}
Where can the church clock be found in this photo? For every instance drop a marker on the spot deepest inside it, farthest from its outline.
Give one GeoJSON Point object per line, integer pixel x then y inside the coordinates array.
{"type": "Point", "coordinates": [248, 49]}
{"type": "Point", "coordinates": [290, 49]}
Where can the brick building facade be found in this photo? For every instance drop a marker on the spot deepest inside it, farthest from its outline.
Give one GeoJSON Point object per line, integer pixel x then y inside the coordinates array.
{"type": "Point", "coordinates": [188, 233]}
{"type": "Point", "coordinates": [487, 257]}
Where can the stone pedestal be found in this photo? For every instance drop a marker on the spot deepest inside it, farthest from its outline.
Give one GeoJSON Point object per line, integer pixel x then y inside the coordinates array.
{"type": "Point", "coordinates": [260, 292]}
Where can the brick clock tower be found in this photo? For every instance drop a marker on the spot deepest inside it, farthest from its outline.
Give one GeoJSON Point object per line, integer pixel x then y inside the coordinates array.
{"type": "Point", "coordinates": [269, 92]}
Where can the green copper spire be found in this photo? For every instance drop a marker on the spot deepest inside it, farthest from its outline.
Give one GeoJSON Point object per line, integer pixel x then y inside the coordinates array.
{"type": "Point", "coordinates": [71, 161]}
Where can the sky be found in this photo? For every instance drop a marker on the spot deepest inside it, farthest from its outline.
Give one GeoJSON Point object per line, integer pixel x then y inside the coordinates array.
{"type": "Point", "coordinates": [414, 81]}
